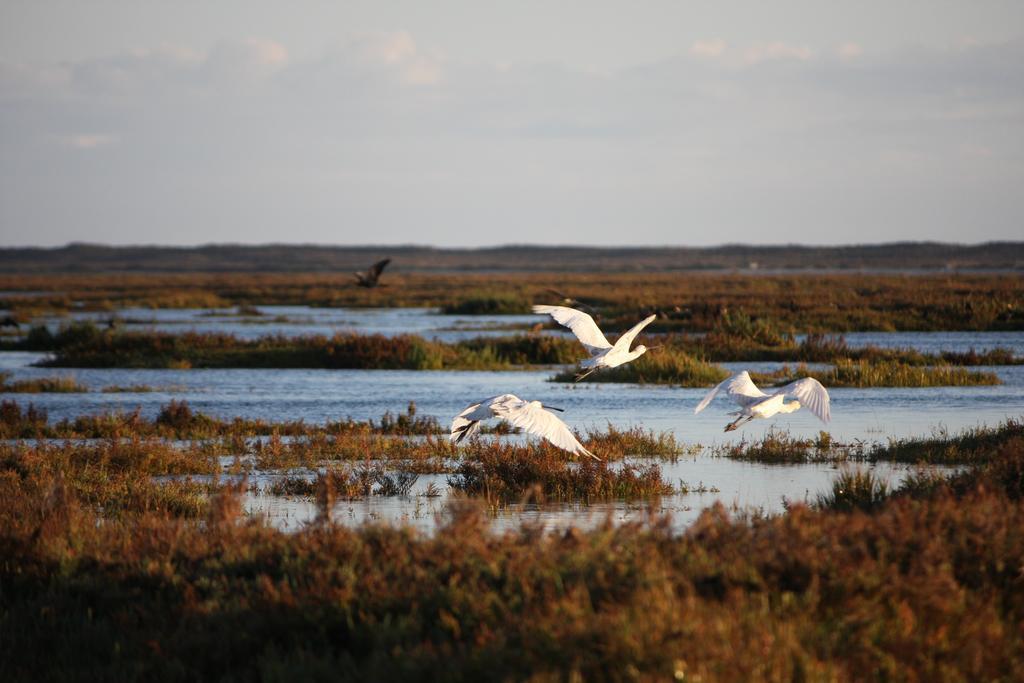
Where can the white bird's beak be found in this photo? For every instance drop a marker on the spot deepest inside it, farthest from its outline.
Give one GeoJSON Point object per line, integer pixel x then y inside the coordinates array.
{"type": "Point", "coordinates": [561, 410]}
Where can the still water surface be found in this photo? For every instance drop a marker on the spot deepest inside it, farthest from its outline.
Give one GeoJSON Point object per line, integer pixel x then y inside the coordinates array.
{"type": "Point", "coordinates": [320, 395]}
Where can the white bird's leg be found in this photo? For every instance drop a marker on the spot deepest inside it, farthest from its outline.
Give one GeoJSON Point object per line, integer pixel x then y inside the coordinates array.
{"type": "Point", "coordinates": [741, 420]}
{"type": "Point", "coordinates": [461, 431]}
{"type": "Point", "coordinates": [584, 375]}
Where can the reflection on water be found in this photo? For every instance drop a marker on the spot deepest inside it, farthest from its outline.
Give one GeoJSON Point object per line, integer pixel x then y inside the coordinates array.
{"type": "Point", "coordinates": [750, 487]}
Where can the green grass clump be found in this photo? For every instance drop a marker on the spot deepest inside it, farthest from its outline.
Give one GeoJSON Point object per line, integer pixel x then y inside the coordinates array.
{"type": "Point", "coordinates": [129, 389]}
{"type": "Point", "coordinates": [671, 366]}
{"type": "Point", "coordinates": [970, 447]}
{"type": "Point", "coordinates": [883, 374]}
{"type": "Point", "coordinates": [780, 448]}
{"type": "Point", "coordinates": [489, 305]}
{"type": "Point", "coordinates": [177, 420]}
{"type": "Point", "coordinates": [500, 474]}
{"type": "Point", "coordinates": [855, 490]}
{"type": "Point", "coordinates": [51, 385]}
{"type": "Point", "coordinates": [661, 366]}
{"type": "Point", "coordinates": [84, 345]}
{"type": "Point", "coordinates": [615, 443]}
{"type": "Point", "coordinates": [729, 345]}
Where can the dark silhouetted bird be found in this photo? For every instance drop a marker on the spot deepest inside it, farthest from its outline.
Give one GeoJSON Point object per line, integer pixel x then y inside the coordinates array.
{"type": "Point", "coordinates": [370, 277]}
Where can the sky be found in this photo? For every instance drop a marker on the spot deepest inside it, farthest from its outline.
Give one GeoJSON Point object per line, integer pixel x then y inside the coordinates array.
{"type": "Point", "coordinates": [467, 123]}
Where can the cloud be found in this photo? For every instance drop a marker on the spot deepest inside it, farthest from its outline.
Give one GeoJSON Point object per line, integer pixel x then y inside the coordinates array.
{"type": "Point", "coordinates": [763, 52]}
{"type": "Point", "coordinates": [397, 53]}
{"type": "Point", "coordinates": [88, 140]}
{"type": "Point", "coordinates": [849, 50]}
{"type": "Point", "coordinates": [245, 61]}
{"type": "Point", "coordinates": [383, 133]}
{"type": "Point", "coordinates": [708, 48]}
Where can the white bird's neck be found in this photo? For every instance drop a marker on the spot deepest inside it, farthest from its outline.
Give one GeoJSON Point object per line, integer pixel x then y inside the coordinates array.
{"type": "Point", "coordinates": [636, 353]}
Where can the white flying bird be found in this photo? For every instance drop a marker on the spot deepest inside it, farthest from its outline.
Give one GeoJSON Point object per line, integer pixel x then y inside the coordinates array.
{"type": "Point", "coordinates": [602, 353]}
{"type": "Point", "coordinates": [530, 416]}
{"type": "Point", "coordinates": [755, 403]}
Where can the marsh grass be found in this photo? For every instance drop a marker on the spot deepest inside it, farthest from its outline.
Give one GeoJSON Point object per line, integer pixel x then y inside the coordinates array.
{"type": "Point", "coordinates": [500, 475]}
{"type": "Point", "coordinates": [681, 359]}
{"type": "Point", "coordinates": [881, 374]}
{"type": "Point", "coordinates": [729, 344]}
{"type": "Point", "coordinates": [134, 389]}
{"type": "Point", "coordinates": [661, 366]}
{"type": "Point", "coordinates": [976, 446]}
{"type": "Point", "coordinates": [686, 301]}
{"type": "Point", "coordinates": [970, 447]}
{"type": "Point", "coordinates": [912, 587]}
{"type": "Point", "coordinates": [855, 490]}
{"type": "Point", "coordinates": [614, 443]}
{"type": "Point", "coordinates": [177, 420]}
{"type": "Point", "coordinates": [346, 483]}
{"type": "Point", "coordinates": [498, 304]}
{"type": "Point", "coordinates": [116, 478]}
{"type": "Point", "coordinates": [85, 345]}
{"type": "Point", "coordinates": [668, 365]}
{"type": "Point", "coordinates": [58, 385]}
{"type": "Point", "coordinates": [781, 448]}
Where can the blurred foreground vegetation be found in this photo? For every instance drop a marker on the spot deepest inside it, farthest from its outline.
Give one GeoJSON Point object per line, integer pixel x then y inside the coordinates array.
{"type": "Point", "coordinates": [108, 574]}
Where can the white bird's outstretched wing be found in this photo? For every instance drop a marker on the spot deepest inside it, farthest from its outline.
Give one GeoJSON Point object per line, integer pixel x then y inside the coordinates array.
{"type": "Point", "coordinates": [626, 340]}
{"type": "Point", "coordinates": [531, 418]}
{"type": "Point", "coordinates": [740, 388]}
{"type": "Point", "coordinates": [811, 394]}
{"type": "Point", "coordinates": [581, 324]}
{"type": "Point", "coordinates": [467, 423]}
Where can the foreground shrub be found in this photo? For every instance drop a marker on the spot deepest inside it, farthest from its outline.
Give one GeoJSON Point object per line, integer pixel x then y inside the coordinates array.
{"type": "Point", "coordinates": [916, 589]}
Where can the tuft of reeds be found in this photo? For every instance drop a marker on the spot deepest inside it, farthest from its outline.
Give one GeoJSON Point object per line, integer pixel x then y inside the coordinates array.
{"type": "Point", "coordinates": [883, 374]}
{"type": "Point", "coordinates": [129, 389]}
{"type": "Point", "coordinates": [855, 490]}
{"type": "Point", "coordinates": [979, 445]}
{"type": "Point", "coordinates": [498, 304]}
{"type": "Point", "coordinates": [730, 342]}
{"type": "Point", "coordinates": [57, 385]}
{"type": "Point", "coordinates": [969, 447]}
{"type": "Point", "coordinates": [178, 420]}
{"type": "Point", "coordinates": [346, 483]}
{"type": "Point", "coordinates": [614, 443]}
{"type": "Point", "coordinates": [661, 366]}
{"type": "Point", "coordinates": [500, 474]}
{"type": "Point", "coordinates": [780, 448]}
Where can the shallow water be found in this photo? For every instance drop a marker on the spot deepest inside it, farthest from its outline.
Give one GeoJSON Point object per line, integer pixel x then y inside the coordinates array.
{"type": "Point", "coordinates": [937, 342]}
{"type": "Point", "coordinates": [428, 322]}
{"type": "Point", "coordinates": [739, 486]}
{"type": "Point", "coordinates": [317, 396]}
{"type": "Point", "coordinates": [296, 321]}
{"type": "Point", "coordinates": [320, 395]}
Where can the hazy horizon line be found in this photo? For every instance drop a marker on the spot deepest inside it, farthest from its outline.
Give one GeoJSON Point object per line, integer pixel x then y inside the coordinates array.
{"type": "Point", "coordinates": [507, 245]}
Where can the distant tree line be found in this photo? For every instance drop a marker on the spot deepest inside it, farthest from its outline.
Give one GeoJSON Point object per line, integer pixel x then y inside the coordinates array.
{"type": "Point", "coordinates": [92, 258]}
